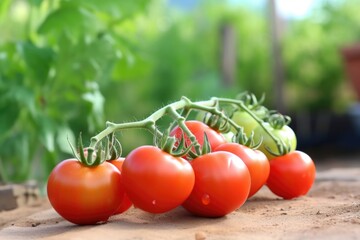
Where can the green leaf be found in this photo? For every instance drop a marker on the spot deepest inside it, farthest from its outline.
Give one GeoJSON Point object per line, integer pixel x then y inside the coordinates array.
{"type": "Point", "coordinates": [131, 67]}
{"type": "Point", "coordinates": [50, 159]}
{"type": "Point", "coordinates": [47, 133]}
{"type": "Point", "coordinates": [114, 8]}
{"type": "Point", "coordinates": [9, 119]}
{"type": "Point", "coordinates": [36, 3]}
{"type": "Point", "coordinates": [48, 140]}
{"type": "Point", "coordinates": [23, 146]}
{"type": "Point", "coordinates": [23, 97]}
{"type": "Point", "coordinates": [206, 148]}
{"type": "Point", "coordinates": [68, 19]}
{"type": "Point", "coordinates": [4, 7]}
{"type": "Point", "coordinates": [97, 100]}
{"type": "Point", "coordinates": [38, 60]}
{"type": "Point", "coordinates": [91, 59]}
{"type": "Point", "coordinates": [64, 136]}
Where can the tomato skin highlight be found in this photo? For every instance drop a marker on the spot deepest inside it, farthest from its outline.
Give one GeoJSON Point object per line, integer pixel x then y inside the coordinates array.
{"type": "Point", "coordinates": [85, 195]}
{"type": "Point", "coordinates": [222, 184]}
{"type": "Point", "coordinates": [156, 181]}
{"type": "Point", "coordinates": [255, 160]}
{"type": "Point", "coordinates": [198, 129]}
{"type": "Point", "coordinates": [291, 175]}
{"type": "Point", "coordinates": [126, 203]}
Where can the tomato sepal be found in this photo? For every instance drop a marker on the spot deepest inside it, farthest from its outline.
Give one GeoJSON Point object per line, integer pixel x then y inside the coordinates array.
{"type": "Point", "coordinates": [169, 145]}
{"type": "Point", "coordinates": [248, 141]}
{"type": "Point", "coordinates": [90, 156]}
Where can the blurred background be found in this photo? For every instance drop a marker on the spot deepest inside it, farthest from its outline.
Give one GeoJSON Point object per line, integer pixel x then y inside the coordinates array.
{"type": "Point", "coordinates": [67, 66]}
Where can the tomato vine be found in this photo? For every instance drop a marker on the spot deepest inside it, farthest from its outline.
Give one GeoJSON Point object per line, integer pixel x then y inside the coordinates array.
{"type": "Point", "coordinates": [219, 120]}
{"type": "Point", "coordinates": [192, 164]}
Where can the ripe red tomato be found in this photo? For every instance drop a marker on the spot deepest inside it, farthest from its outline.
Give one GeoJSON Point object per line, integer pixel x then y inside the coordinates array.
{"type": "Point", "coordinates": [291, 175]}
{"type": "Point", "coordinates": [126, 203]}
{"type": "Point", "coordinates": [286, 134]}
{"type": "Point", "coordinates": [85, 195]}
{"type": "Point", "coordinates": [255, 160]}
{"type": "Point", "coordinates": [222, 184]}
{"type": "Point", "coordinates": [198, 129]}
{"type": "Point", "coordinates": [156, 181]}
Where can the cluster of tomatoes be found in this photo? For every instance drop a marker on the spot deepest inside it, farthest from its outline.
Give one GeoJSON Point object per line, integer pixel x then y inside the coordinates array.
{"type": "Point", "coordinates": [212, 184]}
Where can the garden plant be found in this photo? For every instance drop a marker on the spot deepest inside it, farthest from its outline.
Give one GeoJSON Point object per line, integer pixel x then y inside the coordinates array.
{"type": "Point", "coordinates": [208, 167]}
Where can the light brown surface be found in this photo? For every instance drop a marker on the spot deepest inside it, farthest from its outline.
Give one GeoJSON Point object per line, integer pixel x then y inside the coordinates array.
{"type": "Point", "coordinates": [331, 210]}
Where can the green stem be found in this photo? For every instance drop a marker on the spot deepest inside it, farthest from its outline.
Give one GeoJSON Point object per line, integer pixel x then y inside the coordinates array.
{"type": "Point", "coordinates": [181, 122]}
{"type": "Point", "coordinates": [279, 143]}
{"type": "Point", "coordinates": [185, 113]}
{"type": "Point", "coordinates": [186, 105]}
{"type": "Point", "coordinates": [112, 127]}
{"type": "Point", "coordinates": [149, 122]}
{"type": "Point", "coordinates": [214, 110]}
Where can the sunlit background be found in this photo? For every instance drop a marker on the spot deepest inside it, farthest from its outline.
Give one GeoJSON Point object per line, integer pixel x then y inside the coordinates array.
{"type": "Point", "coordinates": [69, 66]}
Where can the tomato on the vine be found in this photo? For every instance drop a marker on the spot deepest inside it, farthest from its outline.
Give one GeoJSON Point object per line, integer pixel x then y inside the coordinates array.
{"type": "Point", "coordinates": [245, 120]}
{"type": "Point", "coordinates": [126, 203]}
{"type": "Point", "coordinates": [291, 175]}
{"type": "Point", "coordinates": [228, 136]}
{"type": "Point", "coordinates": [198, 129]}
{"type": "Point", "coordinates": [285, 134]}
{"type": "Point", "coordinates": [85, 195]}
{"type": "Point", "coordinates": [255, 160]}
{"type": "Point", "coordinates": [222, 184]}
{"type": "Point", "coordinates": [156, 181]}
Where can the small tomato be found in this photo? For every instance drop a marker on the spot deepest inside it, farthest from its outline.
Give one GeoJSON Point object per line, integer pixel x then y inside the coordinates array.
{"type": "Point", "coordinates": [244, 120]}
{"type": "Point", "coordinates": [285, 134]}
{"type": "Point", "coordinates": [291, 175]}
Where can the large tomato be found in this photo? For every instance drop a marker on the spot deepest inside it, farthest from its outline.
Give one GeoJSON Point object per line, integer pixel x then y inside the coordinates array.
{"type": "Point", "coordinates": [255, 160]}
{"type": "Point", "coordinates": [291, 175]}
{"type": "Point", "coordinates": [126, 203]}
{"type": "Point", "coordinates": [156, 181]}
{"type": "Point", "coordinates": [198, 129]}
{"type": "Point", "coordinates": [222, 184]}
{"type": "Point", "coordinates": [85, 195]}
{"type": "Point", "coordinates": [285, 134]}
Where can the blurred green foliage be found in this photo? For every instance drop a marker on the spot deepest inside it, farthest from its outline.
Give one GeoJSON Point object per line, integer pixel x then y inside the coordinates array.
{"type": "Point", "coordinates": [67, 66]}
{"type": "Point", "coordinates": [55, 58]}
{"type": "Point", "coordinates": [312, 57]}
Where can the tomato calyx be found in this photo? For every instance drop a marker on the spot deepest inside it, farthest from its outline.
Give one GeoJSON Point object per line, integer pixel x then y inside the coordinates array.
{"type": "Point", "coordinates": [89, 156]}
{"type": "Point", "coordinates": [248, 141]}
{"type": "Point", "coordinates": [278, 120]}
{"type": "Point", "coordinates": [205, 149]}
{"type": "Point", "coordinates": [94, 156]}
{"type": "Point", "coordinates": [168, 144]}
{"type": "Point", "coordinates": [113, 148]}
{"type": "Point", "coordinates": [283, 149]}
{"type": "Point", "coordinates": [251, 102]}
{"type": "Point", "coordinates": [217, 122]}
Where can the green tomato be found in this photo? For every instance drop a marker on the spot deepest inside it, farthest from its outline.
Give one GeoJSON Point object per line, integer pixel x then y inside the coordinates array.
{"type": "Point", "coordinates": [285, 134]}
{"type": "Point", "coordinates": [228, 136]}
{"type": "Point", "coordinates": [201, 115]}
{"type": "Point", "coordinates": [243, 119]}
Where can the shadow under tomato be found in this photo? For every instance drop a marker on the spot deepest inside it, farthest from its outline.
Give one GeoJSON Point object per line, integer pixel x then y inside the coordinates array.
{"type": "Point", "coordinates": [180, 217]}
